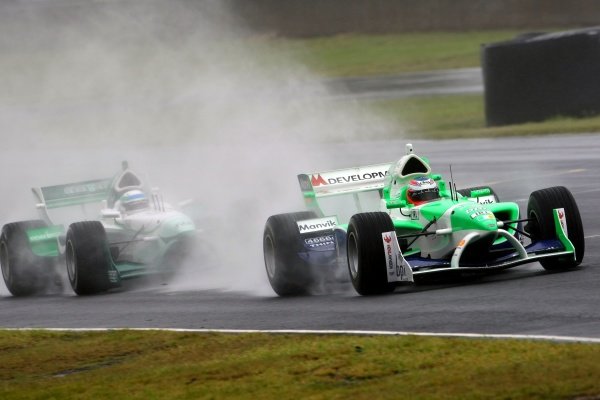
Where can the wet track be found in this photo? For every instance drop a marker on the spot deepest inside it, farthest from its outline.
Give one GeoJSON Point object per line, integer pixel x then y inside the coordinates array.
{"type": "Point", "coordinates": [523, 300]}
{"type": "Point", "coordinates": [431, 83]}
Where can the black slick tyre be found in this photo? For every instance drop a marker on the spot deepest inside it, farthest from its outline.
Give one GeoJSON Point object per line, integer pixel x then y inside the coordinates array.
{"type": "Point", "coordinates": [541, 225]}
{"type": "Point", "coordinates": [365, 251]}
{"type": "Point", "coordinates": [88, 258]}
{"type": "Point", "coordinates": [288, 274]}
{"type": "Point", "coordinates": [24, 272]}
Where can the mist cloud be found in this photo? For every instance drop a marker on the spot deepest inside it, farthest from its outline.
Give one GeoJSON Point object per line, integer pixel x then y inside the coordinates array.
{"type": "Point", "coordinates": [183, 91]}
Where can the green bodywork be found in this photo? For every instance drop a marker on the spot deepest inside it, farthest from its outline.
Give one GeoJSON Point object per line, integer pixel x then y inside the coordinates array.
{"type": "Point", "coordinates": [466, 213]}
{"type": "Point", "coordinates": [44, 241]}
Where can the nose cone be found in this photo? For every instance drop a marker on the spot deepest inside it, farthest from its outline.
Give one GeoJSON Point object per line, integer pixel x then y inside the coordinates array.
{"type": "Point", "coordinates": [473, 217]}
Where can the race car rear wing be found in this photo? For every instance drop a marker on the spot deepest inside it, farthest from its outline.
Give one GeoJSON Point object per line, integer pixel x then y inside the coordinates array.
{"type": "Point", "coordinates": [70, 194]}
{"type": "Point", "coordinates": [343, 181]}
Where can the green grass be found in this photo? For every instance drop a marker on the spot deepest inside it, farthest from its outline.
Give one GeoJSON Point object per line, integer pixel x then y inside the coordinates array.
{"type": "Point", "coordinates": [460, 116]}
{"type": "Point", "coordinates": [463, 116]}
{"type": "Point", "coordinates": [164, 365]}
{"type": "Point", "coordinates": [359, 55]}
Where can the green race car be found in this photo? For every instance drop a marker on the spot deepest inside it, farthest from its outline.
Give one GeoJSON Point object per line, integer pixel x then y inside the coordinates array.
{"type": "Point", "coordinates": [406, 223]}
{"type": "Point", "coordinates": [127, 231]}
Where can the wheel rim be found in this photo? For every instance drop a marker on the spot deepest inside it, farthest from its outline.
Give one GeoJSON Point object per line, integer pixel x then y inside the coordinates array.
{"type": "Point", "coordinates": [269, 251]}
{"type": "Point", "coordinates": [71, 263]}
{"type": "Point", "coordinates": [352, 255]}
{"type": "Point", "coordinates": [4, 262]}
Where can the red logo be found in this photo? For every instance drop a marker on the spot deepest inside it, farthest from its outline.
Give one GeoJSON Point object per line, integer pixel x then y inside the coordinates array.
{"type": "Point", "coordinates": [318, 180]}
{"type": "Point", "coordinates": [387, 238]}
{"type": "Point", "coordinates": [561, 214]}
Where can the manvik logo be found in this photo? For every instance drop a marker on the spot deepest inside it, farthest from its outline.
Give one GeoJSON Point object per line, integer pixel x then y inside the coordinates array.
{"type": "Point", "coordinates": [387, 238]}
{"type": "Point", "coordinates": [314, 226]}
{"type": "Point", "coordinates": [318, 180]}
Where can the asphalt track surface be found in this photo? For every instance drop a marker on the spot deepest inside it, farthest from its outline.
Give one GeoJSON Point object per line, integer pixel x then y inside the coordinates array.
{"type": "Point", "coordinates": [431, 83]}
{"type": "Point", "coordinates": [522, 301]}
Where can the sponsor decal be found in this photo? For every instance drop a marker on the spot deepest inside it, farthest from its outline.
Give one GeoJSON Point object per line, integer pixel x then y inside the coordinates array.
{"type": "Point", "coordinates": [317, 180]}
{"type": "Point", "coordinates": [486, 200]}
{"type": "Point", "coordinates": [317, 224]}
{"type": "Point", "coordinates": [414, 214]}
{"type": "Point", "coordinates": [43, 236]}
{"type": "Point", "coordinates": [563, 220]}
{"type": "Point", "coordinates": [461, 244]}
{"type": "Point", "coordinates": [321, 241]}
{"type": "Point", "coordinates": [480, 211]}
{"type": "Point", "coordinates": [85, 188]}
{"type": "Point", "coordinates": [366, 174]}
{"type": "Point", "coordinates": [398, 269]}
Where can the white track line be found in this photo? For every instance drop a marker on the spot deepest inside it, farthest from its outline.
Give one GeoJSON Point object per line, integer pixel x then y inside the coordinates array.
{"type": "Point", "coordinates": [329, 332]}
{"type": "Point", "coordinates": [593, 236]}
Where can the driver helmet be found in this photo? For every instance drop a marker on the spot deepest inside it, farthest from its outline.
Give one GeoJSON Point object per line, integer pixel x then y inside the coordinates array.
{"type": "Point", "coordinates": [134, 200]}
{"type": "Point", "coordinates": [421, 190]}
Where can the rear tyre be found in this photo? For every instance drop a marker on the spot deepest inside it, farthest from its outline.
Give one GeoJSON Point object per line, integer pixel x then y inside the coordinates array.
{"type": "Point", "coordinates": [366, 257]}
{"type": "Point", "coordinates": [540, 211]}
{"type": "Point", "coordinates": [24, 272]}
{"type": "Point", "coordinates": [289, 275]}
{"type": "Point", "coordinates": [88, 258]}
{"type": "Point", "coordinates": [467, 192]}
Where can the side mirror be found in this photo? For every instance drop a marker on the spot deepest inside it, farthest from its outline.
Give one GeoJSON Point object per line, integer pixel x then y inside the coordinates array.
{"type": "Point", "coordinates": [110, 213]}
{"type": "Point", "coordinates": [395, 203]}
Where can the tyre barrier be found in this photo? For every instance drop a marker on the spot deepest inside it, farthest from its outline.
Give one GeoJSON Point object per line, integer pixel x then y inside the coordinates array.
{"type": "Point", "coordinates": [536, 76]}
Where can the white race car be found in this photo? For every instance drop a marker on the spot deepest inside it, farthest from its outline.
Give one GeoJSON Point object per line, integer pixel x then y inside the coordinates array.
{"type": "Point", "coordinates": [127, 231]}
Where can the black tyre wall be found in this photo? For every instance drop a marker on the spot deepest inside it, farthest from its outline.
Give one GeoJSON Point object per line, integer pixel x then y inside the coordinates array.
{"type": "Point", "coordinates": [29, 273]}
{"type": "Point", "coordinates": [291, 275]}
{"type": "Point", "coordinates": [541, 203]}
{"type": "Point", "coordinates": [534, 78]}
{"type": "Point", "coordinates": [364, 237]}
{"type": "Point", "coordinates": [91, 257]}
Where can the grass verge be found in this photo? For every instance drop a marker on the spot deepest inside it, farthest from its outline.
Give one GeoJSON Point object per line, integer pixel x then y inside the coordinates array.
{"type": "Point", "coordinates": [463, 116]}
{"type": "Point", "coordinates": [444, 117]}
{"type": "Point", "coordinates": [164, 365]}
{"type": "Point", "coordinates": [360, 55]}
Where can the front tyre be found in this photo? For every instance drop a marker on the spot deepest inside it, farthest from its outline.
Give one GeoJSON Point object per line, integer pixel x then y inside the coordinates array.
{"type": "Point", "coordinates": [88, 258]}
{"type": "Point", "coordinates": [541, 226]}
{"type": "Point", "coordinates": [366, 257]}
{"type": "Point", "coordinates": [289, 275]}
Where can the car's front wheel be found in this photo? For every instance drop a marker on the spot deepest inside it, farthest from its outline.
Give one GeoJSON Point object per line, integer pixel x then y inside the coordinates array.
{"type": "Point", "coordinates": [366, 258]}
{"type": "Point", "coordinates": [541, 225]}
{"type": "Point", "coordinates": [88, 258]}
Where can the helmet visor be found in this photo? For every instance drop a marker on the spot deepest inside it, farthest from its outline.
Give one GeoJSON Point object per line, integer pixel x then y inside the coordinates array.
{"type": "Point", "coordinates": [424, 195]}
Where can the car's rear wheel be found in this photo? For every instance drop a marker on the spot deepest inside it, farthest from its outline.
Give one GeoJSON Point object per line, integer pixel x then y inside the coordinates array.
{"type": "Point", "coordinates": [541, 225]}
{"type": "Point", "coordinates": [24, 273]}
{"type": "Point", "coordinates": [366, 257]}
{"type": "Point", "coordinates": [88, 258]}
{"type": "Point", "coordinates": [288, 274]}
